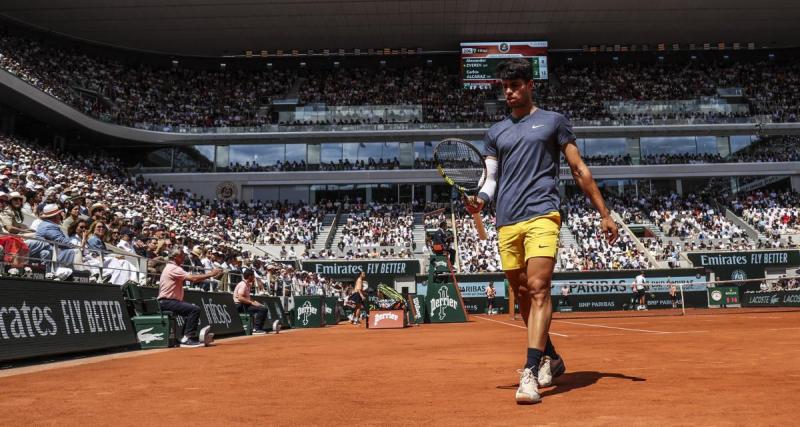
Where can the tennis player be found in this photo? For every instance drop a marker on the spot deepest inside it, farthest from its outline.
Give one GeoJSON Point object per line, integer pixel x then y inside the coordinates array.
{"type": "Point", "coordinates": [358, 298]}
{"type": "Point", "coordinates": [522, 163]}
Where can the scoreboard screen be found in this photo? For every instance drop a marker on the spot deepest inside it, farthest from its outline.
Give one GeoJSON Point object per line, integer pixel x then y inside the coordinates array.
{"type": "Point", "coordinates": [479, 60]}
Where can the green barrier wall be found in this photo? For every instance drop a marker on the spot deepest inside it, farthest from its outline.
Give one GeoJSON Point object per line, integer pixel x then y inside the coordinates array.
{"type": "Point", "coordinates": [787, 298]}
{"type": "Point", "coordinates": [275, 311]}
{"type": "Point", "coordinates": [308, 312]}
{"type": "Point", "coordinates": [331, 310]}
{"type": "Point", "coordinates": [216, 309]}
{"type": "Point", "coordinates": [443, 304]}
{"type": "Point", "coordinates": [420, 309]}
{"type": "Point", "coordinates": [42, 318]}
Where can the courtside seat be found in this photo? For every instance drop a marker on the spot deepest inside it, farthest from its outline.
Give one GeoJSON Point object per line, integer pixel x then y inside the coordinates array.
{"type": "Point", "coordinates": [154, 328]}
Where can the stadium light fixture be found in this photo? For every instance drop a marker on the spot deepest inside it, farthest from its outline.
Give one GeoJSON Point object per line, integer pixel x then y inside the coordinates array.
{"type": "Point", "coordinates": [222, 65]}
{"type": "Point", "coordinates": [269, 65]}
{"type": "Point", "coordinates": [175, 63]}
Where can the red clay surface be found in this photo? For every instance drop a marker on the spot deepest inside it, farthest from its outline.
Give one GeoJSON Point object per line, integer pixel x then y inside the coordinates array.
{"type": "Point", "coordinates": [710, 368]}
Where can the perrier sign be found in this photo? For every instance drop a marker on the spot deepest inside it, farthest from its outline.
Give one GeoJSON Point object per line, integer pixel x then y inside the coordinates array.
{"type": "Point", "coordinates": [308, 312]}
{"type": "Point", "coordinates": [444, 304]}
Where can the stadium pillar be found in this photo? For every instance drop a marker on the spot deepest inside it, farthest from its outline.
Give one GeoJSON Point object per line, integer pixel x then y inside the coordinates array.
{"type": "Point", "coordinates": [634, 150]}
{"type": "Point", "coordinates": [724, 146]}
{"type": "Point", "coordinates": [679, 187]}
{"type": "Point", "coordinates": [795, 183]}
{"type": "Point", "coordinates": [428, 193]}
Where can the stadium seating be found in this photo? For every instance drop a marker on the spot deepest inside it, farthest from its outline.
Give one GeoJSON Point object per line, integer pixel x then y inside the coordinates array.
{"type": "Point", "coordinates": [173, 98]}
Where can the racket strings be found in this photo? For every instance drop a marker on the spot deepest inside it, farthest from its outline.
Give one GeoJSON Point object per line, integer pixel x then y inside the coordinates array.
{"type": "Point", "coordinates": [461, 163]}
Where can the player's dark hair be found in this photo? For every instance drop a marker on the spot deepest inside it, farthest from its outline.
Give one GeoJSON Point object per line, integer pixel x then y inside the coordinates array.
{"type": "Point", "coordinates": [516, 68]}
{"type": "Point", "coordinates": [248, 273]}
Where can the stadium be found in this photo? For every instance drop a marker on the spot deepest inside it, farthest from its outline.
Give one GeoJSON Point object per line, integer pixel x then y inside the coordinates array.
{"type": "Point", "coordinates": [247, 213]}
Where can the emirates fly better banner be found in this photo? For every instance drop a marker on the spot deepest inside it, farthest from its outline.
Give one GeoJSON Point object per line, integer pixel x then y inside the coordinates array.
{"type": "Point", "coordinates": [39, 318]}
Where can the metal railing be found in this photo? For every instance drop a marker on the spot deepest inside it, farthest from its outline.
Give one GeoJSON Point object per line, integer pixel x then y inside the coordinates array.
{"type": "Point", "coordinates": [644, 121]}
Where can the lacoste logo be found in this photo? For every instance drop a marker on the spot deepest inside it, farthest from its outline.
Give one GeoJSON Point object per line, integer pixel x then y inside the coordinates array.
{"type": "Point", "coordinates": [536, 126]}
{"type": "Point", "coordinates": [146, 337]}
{"type": "Point", "coordinates": [543, 246]}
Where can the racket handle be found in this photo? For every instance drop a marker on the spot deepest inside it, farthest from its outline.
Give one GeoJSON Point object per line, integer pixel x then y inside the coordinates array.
{"type": "Point", "coordinates": [479, 226]}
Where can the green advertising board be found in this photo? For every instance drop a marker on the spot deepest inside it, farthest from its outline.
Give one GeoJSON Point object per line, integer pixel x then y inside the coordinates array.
{"type": "Point", "coordinates": [444, 305]}
{"type": "Point", "coordinates": [418, 309]}
{"type": "Point", "coordinates": [740, 266]}
{"type": "Point", "coordinates": [331, 310]}
{"type": "Point", "coordinates": [43, 318]}
{"type": "Point", "coordinates": [274, 311]}
{"type": "Point", "coordinates": [309, 312]}
{"type": "Point", "coordinates": [378, 271]}
{"type": "Point", "coordinates": [724, 296]}
{"type": "Point", "coordinates": [216, 309]}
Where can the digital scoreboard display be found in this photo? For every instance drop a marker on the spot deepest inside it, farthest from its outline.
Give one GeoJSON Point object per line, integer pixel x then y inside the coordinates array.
{"type": "Point", "coordinates": [479, 60]}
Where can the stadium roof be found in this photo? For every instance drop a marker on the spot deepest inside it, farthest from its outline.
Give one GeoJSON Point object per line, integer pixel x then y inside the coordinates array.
{"type": "Point", "coordinates": [225, 27]}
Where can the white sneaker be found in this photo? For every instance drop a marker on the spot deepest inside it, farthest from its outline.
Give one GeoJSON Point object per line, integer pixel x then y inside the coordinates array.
{"type": "Point", "coordinates": [545, 377]}
{"type": "Point", "coordinates": [187, 342]}
{"type": "Point", "coordinates": [276, 326]}
{"type": "Point", "coordinates": [206, 337]}
{"type": "Point", "coordinates": [528, 391]}
{"type": "Point", "coordinates": [549, 369]}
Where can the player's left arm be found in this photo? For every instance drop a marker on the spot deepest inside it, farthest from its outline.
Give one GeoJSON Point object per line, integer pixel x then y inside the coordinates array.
{"type": "Point", "coordinates": [585, 181]}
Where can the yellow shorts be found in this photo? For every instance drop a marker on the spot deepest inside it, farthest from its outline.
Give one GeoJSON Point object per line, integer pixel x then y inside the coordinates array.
{"type": "Point", "coordinates": [535, 237]}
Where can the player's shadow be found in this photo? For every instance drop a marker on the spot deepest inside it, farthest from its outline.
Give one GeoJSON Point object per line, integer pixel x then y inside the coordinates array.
{"type": "Point", "coordinates": [572, 380]}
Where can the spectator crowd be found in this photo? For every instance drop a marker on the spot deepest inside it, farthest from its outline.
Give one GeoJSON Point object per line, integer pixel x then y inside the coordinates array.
{"type": "Point", "coordinates": [174, 97]}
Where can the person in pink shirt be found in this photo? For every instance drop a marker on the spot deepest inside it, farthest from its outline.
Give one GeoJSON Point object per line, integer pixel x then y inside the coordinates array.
{"type": "Point", "coordinates": [170, 298]}
{"type": "Point", "coordinates": [241, 296]}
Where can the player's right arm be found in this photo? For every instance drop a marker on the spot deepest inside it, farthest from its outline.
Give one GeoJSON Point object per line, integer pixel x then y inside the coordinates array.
{"type": "Point", "coordinates": [486, 194]}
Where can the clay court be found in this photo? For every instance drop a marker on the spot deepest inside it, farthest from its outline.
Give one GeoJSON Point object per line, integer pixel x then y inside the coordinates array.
{"type": "Point", "coordinates": [733, 367]}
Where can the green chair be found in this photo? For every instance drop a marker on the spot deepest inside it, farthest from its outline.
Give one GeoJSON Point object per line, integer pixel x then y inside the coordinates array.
{"type": "Point", "coordinates": [154, 328]}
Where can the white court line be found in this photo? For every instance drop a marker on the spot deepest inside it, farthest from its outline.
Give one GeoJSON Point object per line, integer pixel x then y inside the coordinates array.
{"type": "Point", "coordinates": [591, 325]}
{"type": "Point", "coordinates": [517, 326]}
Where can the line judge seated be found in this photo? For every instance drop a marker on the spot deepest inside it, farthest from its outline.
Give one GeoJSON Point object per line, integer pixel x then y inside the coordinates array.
{"type": "Point", "coordinates": [170, 298]}
{"type": "Point", "coordinates": [241, 296]}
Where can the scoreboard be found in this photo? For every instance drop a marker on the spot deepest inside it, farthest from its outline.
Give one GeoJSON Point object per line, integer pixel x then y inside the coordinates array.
{"type": "Point", "coordinates": [479, 60]}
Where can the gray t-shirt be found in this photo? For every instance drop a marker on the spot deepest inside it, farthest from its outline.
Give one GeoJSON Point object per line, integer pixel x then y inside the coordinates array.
{"type": "Point", "coordinates": [528, 154]}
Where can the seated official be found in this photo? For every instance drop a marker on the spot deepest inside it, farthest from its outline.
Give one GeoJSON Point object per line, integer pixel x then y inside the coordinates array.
{"type": "Point", "coordinates": [241, 296]}
{"type": "Point", "coordinates": [442, 239]}
{"type": "Point", "coordinates": [170, 298]}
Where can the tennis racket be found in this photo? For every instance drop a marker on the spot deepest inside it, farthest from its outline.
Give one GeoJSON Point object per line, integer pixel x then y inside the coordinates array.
{"type": "Point", "coordinates": [461, 165]}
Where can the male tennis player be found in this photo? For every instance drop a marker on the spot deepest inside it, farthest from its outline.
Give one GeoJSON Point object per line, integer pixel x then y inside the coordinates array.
{"type": "Point", "coordinates": [522, 164]}
{"type": "Point", "coordinates": [358, 298]}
